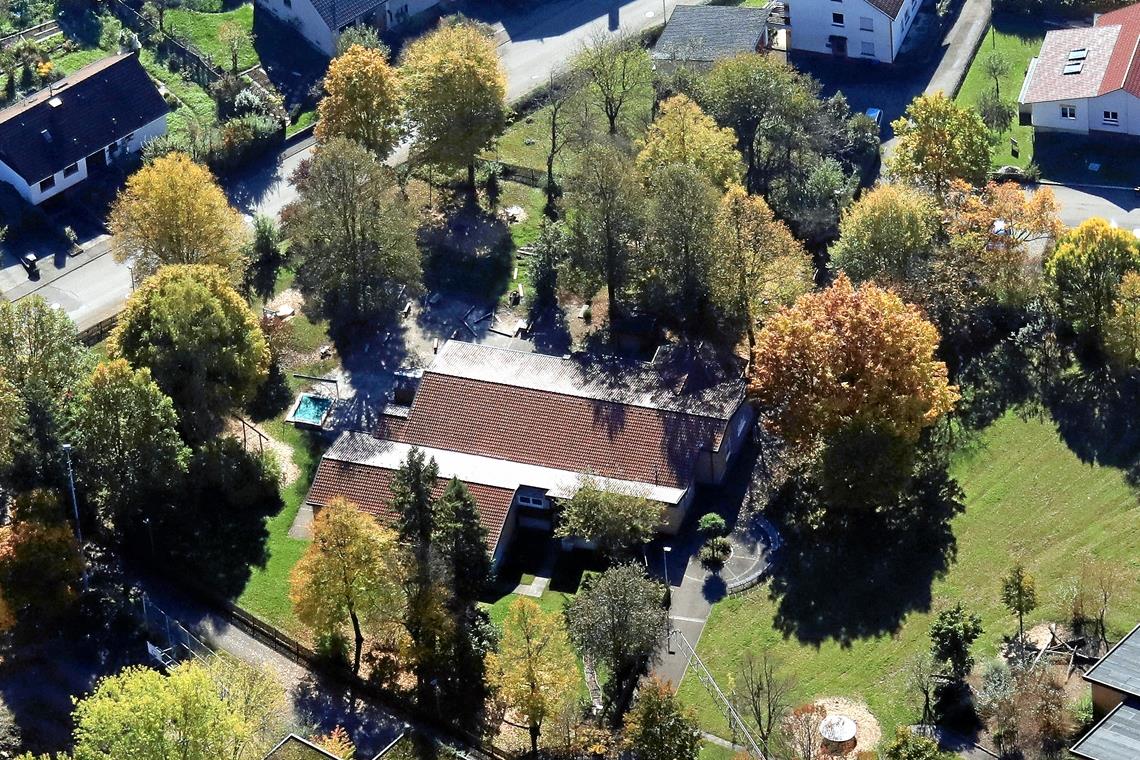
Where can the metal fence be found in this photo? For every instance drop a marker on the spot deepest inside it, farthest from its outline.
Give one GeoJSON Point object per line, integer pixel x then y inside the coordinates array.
{"type": "Point", "coordinates": [199, 65]}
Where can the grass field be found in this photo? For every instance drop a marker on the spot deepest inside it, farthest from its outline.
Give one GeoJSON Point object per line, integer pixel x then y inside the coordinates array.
{"type": "Point", "coordinates": [202, 30]}
{"type": "Point", "coordinates": [1017, 40]}
{"type": "Point", "coordinates": [1028, 496]}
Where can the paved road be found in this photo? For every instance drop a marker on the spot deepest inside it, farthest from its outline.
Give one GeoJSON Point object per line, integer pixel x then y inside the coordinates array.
{"type": "Point", "coordinates": [1080, 203]}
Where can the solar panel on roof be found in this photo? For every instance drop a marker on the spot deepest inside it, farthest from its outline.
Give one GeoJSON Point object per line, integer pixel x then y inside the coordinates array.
{"type": "Point", "coordinates": [1073, 68]}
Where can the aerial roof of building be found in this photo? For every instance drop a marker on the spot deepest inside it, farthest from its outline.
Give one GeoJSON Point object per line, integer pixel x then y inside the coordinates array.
{"type": "Point", "coordinates": [78, 115]}
{"type": "Point", "coordinates": [1115, 737]}
{"type": "Point", "coordinates": [1119, 669]}
{"type": "Point", "coordinates": [340, 13]}
{"type": "Point", "coordinates": [293, 747]}
{"type": "Point", "coordinates": [711, 32]}
{"type": "Point", "coordinates": [890, 8]}
{"type": "Point", "coordinates": [1124, 66]}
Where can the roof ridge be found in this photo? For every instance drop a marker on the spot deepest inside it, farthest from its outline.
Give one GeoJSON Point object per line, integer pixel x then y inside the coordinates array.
{"type": "Point", "coordinates": [30, 100]}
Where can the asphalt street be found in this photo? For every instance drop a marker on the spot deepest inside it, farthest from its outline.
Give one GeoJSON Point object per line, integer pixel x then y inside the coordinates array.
{"type": "Point", "coordinates": [1080, 203]}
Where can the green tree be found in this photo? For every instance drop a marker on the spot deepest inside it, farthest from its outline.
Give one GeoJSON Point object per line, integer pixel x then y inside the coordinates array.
{"type": "Point", "coordinates": [939, 141]}
{"type": "Point", "coordinates": [11, 420]}
{"type": "Point", "coordinates": [200, 341]}
{"type": "Point", "coordinates": [952, 634]}
{"type": "Point", "coordinates": [40, 561]}
{"type": "Point", "coordinates": [684, 134]}
{"type": "Point", "coordinates": [612, 517]}
{"type": "Point", "coordinates": [997, 114]}
{"type": "Point", "coordinates": [353, 235]}
{"type": "Point", "coordinates": [618, 621]}
{"type": "Point", "coordinates": [363, 35]}
{"type": "Point", "coordinates": [349, 573]}
{"type": "Point", "coordinates": [1019, 595]}
{"type": "Point", "coordinates": [996, 66]}
{"type": "Point", "coordinates": [616, 71]}
{"type": "Point", "coordinates": [127, 441]}
{"type": "Point", "coordinates": [659, 727]}
{"type": "Point", "coordinates": [1085, 271]}
{"type": "Point", "coordinates": [534, 672]}
{"type": "Point", "coordinates": [551, 250]}
{"type": "Point", "coordinates": [907, 745]}
{"type": "Point", "coordinates": [1122, 329]}
{"type": "Point", "coordinates": [236, 39]}
{"type": "Point", "coordinates": [886, 235]}
{"type": "Point", "coordinates": [362, 101]}
{"type": "Point", "coordinates": [454, 95]}
{"type": "Point", "coordinates": [462, 543]}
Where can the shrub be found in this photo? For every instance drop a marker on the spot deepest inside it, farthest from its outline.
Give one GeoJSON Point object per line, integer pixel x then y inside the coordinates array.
{"type": "Point", "coordinates": [712, 526]}
{"type": "Point", "coordinates": [266, 238]}
{"type": "Point", "coordinates": [715, 552]}
{"type": "Point", "coordinates": [247, 102]}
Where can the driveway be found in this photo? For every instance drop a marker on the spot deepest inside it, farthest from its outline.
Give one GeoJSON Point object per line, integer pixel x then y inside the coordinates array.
{"type": "Point", "coordinates": [1080, 202]}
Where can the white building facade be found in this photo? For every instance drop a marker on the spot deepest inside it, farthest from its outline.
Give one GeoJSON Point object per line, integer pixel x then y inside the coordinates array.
{"type": "Point", "coordinates": [321, 21]}
{"type": "Point", "coordinates": [851, 28]}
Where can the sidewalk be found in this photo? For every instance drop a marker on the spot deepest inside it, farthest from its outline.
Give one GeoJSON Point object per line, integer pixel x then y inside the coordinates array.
{"type": "Point", "coordinates": [961, 43]}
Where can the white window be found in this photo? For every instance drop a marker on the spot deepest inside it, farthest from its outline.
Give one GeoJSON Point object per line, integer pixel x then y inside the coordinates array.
{"type": "Point", "coordinates": [868, 48]}
{"type": "Point", "coordinates": [866, 23]}
{"type": "Point", "coordinates": [70, 169]}
{"type": "Point", "coordinates": [1111, 117]}
{"type": "Point", "coordinates": [837, 19]}
{"type": "Point", "coordinates": [47, 184]}
{"type": "Point", "coordinates": [1068, 112]}
{"type": "Point", "coordinates": [530, 501]}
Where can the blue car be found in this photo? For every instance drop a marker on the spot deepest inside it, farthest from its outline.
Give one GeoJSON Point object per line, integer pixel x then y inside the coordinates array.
{"type": "Point", "coordinates": [876, 115]}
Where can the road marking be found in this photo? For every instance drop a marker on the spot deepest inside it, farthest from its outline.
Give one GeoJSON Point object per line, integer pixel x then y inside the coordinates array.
{"type": "Point", "coordinates": [688, 619]}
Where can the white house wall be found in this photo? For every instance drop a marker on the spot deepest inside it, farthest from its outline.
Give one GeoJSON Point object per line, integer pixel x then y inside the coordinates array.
{"type": "Point", "coordinates": [811, 28]}
{"type": "Point", "coordinates": [902, 24]}
{"type": "Point", "coordinates": [303, 15]}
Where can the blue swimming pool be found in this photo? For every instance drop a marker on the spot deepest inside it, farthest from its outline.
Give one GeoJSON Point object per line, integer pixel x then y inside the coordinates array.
{"type": "Point", "coordinates": [311, 410]}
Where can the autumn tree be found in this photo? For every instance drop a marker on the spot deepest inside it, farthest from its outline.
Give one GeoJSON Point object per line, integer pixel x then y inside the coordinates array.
{"type": "Point", "coordinates": [939, 141]}
{"type": "Point", "coordinates": [684, 134]}
{"type": "Point", "coordinates": [907, 745]}
{"type": "Point", "coordinates": [616, 70]}
{"type": "Point", "coordinates": [612, 517]}
{"type": "Point", "coordinates": [763, 694]}
{"type": "Point", "coordinates": [1019, 595]}
{"type": "Point", "coordinates": [1085, 271]}
{"type": "Point", "coordinates": [762, 265]}
{"type": "Point", "coordinates": [886, 235]}
{"type": "Point", "coordinates": [236, 40]}
{"type": "Point", "coordinates": [349, 573]}
{"type": "Point", "coordinates": [127, 441]}
{"type": "Point", "coordinates": [200, 341]}
{"type": "Point", "coordinates": [256, 702]}
{"type": "Point", "coordinates": [337, 742]}
{"type": "Point", "coordinates": [172, 211]}
{"type": "Point", "coordinates": [534, 672]}
{"type": "Point", "coordinates": [952, 634]}
{"type": "Point", "coordinates": [618, 621]}
{"type": "Point", "coordinates": [606, 210]}
{"type": "Point", "coordinates": [40, 561]}
{"type": "Point", "coordinates": [659, 727]}
{"type": "Point", "coordinates": [362, 101]}
{"type": "Point", "coordinates": [801, 731]}
{"type": "Point", "coordinates": [454, 95]}
{"type": "Point", "coordinates": [1099, 583]}
{"type": "Point", "coordinates": [849, 356]}
{"type": "Point", "coordinates": [1121, 333]}
{"type": "Point", "coordinates": [352, 234]}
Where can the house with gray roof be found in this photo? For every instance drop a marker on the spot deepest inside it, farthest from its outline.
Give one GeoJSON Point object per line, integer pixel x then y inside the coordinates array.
{"type": "Point", "coordinates": [1115, 682]}
{"type": "Point", "coordinates": [322, 21]}
{"type": "Point", "coordinates": [697, 36]}
{"type": "Point", "coordinates": [871, 30]}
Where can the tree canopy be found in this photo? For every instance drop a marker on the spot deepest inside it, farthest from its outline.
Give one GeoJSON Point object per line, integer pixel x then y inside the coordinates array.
{"type": "Point", "coordinates": [613, 518]}
{"type": "Point", "coordinates": [1086, 268]}
{"type": "Point", "coordinates": [684, 134]}
{"type": "Point", "coordinates": [362, 100]}
{"type": "Point", "coordinates": [660, 728]}
{"type": "Point", "coordinates": [886, 234]}
{"type": "Point", "coordinates": [172, 211]}
{"type": "Point", "coordinates": [939, 141]}
{"type": "Point", "coordinates": [615, 71]}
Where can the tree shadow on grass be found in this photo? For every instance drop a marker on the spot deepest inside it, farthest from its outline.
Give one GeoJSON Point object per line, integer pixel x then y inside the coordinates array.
{"type": "Point", "coordinates": [1095, 413]}
{"type": "Point", "coordinates": [864, 579]}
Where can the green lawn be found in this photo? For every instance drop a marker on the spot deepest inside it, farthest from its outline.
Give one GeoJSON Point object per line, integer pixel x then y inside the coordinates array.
{"type": "Point", "coordinates": [304, 119]}
{"type": "Point", "coordinates": [202, 30]}
{"type": "Point", "coordinates": [1027, 495]}
{"type": "Point", "coordinates": [1017, 40]}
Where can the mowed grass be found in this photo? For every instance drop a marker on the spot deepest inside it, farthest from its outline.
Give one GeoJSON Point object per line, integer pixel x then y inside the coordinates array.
{"type": "Point", "coordinates": [202, 31]}
{"type": "Point", "coordinates": [1017, 40]}
{"type": "Point", "coordinates": [1027, 496]}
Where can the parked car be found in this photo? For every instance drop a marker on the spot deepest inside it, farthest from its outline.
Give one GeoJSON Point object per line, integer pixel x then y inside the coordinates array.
{"type": "Point", "coordinates": [876, 115]}
{"type": "Point", "coordinates": [28, 262]}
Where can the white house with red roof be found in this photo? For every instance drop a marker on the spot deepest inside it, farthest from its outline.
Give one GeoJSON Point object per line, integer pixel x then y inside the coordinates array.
{"type": "Point", "coordinates": [1087, 81]}
{"type": "Point", "coordinates": [868, 29]}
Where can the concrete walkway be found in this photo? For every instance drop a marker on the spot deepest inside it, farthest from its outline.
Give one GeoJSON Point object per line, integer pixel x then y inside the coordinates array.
{"type": "Point", "coordinates": [960, 44]}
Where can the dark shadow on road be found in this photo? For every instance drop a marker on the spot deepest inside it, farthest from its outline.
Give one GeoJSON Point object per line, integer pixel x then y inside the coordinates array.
{"type": "Point", "coordinates": [325, 704]}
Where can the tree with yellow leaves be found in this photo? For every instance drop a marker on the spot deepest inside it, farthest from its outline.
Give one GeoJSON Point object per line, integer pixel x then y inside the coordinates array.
{"type": "Point", "coordinates": [1122, 329]}
{"type": "Point", "coordinates": [337, 742]}
{"type": "Point", "coordinates": [173, 212]}
{"type": "Point", "coordinates": [40, 561]}
{"type": "Point", "coordinates": [362, 100]}
{"type": "Point", "coordinates": [848, 356]}
{"type": "Point", "coordinates": [886, 235]}
{"type": "Point", "coordinates": [762, 267]}
{"type": "Point", "coordinates": [1086, 268]}
{"type": "Point", "coordinates": [535, 672]}
{"type": "Point", "coordinates": [454, 95]}
{"type": "Point", "coordinates": [939, 141]}
{"type": "Point", "coordinates": [349, 574]}
{"type": "Point", "coordinates": [684, 134]}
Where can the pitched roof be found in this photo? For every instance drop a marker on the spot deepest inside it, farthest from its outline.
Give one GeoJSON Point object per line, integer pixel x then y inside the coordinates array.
{"type": "Point", "coordinates": [1047, 80]}
{"type": "Point", "coordinates": [293, 747]}
{"type": "Point", "coordinates": [1115, 737]}
{"type": "Point", "coordinates": [76, 116]}
{"type": "Point", "coordinates": [1124, 66]}
{"type": "Point", "coordinates": [889, 7]}
{"type": "Point", "coordinates": [1119, 669]}
{"type": "Point", "coordinates": [340, 13]}
{"type": "Point", "coordinates": [711, 32]}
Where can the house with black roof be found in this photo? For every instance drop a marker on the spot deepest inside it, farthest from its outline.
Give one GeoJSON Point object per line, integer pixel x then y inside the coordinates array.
{"type": "Point", "coordinates": [1115, 682]}
{"type": "Point", "coordinates": [697, 36]}
{"type": "Point", "coordinates": [321, 21]}
{"type": "Point", "coordinates": [55, 138]}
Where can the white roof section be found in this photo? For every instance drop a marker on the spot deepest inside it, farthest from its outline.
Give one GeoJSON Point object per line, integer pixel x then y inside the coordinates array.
{"type": "Point", "coordinates": [365, 449]}
{"type": "Point", "coordinates": [619, 382]}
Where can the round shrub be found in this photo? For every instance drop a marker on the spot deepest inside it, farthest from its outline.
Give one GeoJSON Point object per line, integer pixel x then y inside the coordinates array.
{"type": "Point", "coordinates": [712, 525]}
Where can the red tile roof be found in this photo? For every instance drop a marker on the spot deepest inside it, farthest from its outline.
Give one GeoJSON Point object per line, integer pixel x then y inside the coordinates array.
{"type": "Point", "coordinates": [1123, 67]}
{"type": "Point", "coordinates": [370, 488]}
{"type": "Point", "coordinates": [557, 430]}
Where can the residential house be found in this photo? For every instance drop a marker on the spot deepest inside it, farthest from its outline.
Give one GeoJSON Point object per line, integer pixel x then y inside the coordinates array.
{"type": "Point", "coordinates": [55, 138]}
{"type": "Point", "coordinates": [294, 747]}
{"type": "Point", "coordinates": [1115, 684]}
{"type": "Point", "coordinates": [322, 21]}
{"type": "Point", "coordinates": [871, 30]}
{"type": "Point", "coordinates": [1087, 81]}
{"type": "Point", "coordinates": [697, 36]}
{"type": "Point", "coordinates": [520, 430]}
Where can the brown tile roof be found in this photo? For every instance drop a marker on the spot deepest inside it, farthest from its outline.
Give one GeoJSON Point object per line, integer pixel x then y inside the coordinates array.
{"type": "Point", "coordinates": [557, 430]}
{"type": "Point", "coordinates": [1047, 80]}
{"type": "Point", "coordinates": [1124, 66]}
{"type": "Point", "coordinates": [370, 488]}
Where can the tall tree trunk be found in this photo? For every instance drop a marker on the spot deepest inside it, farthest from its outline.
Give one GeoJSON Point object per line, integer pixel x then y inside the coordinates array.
{"type": "Point", "coordinates": [359, 640]}
{"type": "Point", "coordinates": [471, 178]}
{"type": "Point", "coordinates": [534, 739]}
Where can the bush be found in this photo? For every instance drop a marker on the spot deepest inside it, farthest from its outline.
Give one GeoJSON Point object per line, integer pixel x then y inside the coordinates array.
{"type": "Point", "coordinates": [247, 102]}
{"type": "Point", "coordinates": [241, 140]}
{"type": "Point", "coordinates": [715, 552]}
{"type": "Point", "coordinates": [712, 526]}
{"type": "Point", "coordinates": [266, 238]}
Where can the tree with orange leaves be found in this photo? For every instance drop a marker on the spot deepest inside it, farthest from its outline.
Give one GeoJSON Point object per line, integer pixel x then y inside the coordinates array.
{"type": "Point", "coordinates": [849, 356]}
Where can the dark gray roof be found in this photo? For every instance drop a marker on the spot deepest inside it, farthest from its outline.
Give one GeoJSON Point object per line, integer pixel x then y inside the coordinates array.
{"type": "Point", "coordinates": [78, 115]}
{"type": "Point", "coordinates": [1116, 737]}
{"type": "Point", "coordinates": [340, 13]}
{"type": "Point", "coordinates": [711, 32]}
{"type": "Point", "coordinates": [1120, 668]}
{"type": "Point", "coordinates": [293, 747]}
{"type": "Point", "coordinates": [890, 7]}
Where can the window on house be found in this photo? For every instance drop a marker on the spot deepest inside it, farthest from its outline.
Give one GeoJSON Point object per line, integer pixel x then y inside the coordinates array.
{"type": "Point", "coordinates": [69, 170]}
{"type": "Point", "coordinates": [530, 501]}
{"type": "Point", "coordinates": [868, 48]}
{"type": "Point", "coordinates": [837, 19]}
{"type": "Point", "coordinates": [1111, 117]}
{"type": "Point", "coordinates": [866, 23]}
{"type": "Point", "coordinates": [1068, 112]}
{"type": "Point", "coordinates": [47, 184]}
